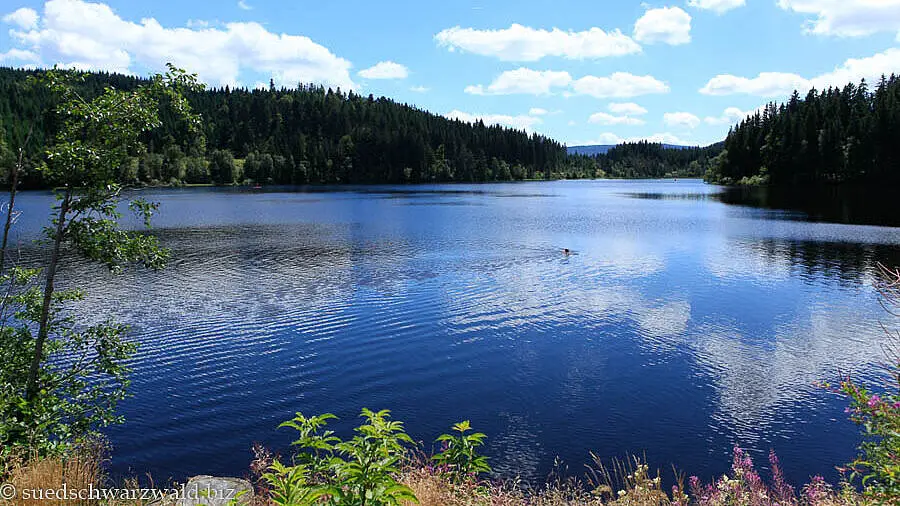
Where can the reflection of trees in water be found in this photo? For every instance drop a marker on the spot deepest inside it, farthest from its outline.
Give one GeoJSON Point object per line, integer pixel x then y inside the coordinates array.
{"type": "Point", "coordinates": [839, 204]}
{"type": "Point", "coordinates": [850, 263]}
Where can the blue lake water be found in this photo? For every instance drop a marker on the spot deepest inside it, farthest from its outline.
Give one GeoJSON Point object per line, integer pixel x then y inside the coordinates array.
{"type": "Point", "coordinates": [679, 327]}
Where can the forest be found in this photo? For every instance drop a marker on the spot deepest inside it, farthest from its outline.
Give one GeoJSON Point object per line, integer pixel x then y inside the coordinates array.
{"type": "Point", "coordinates": [314, 135]}
{"type": "Point", "coordinates": [297, 136]}
{"type": "Point", "coordinates": [846, 135]}
{"type": "Point", "coordinates": [654, 160]}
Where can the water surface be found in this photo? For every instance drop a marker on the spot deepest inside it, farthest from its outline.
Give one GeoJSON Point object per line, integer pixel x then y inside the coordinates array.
{"type": "Point", "coordinates": [681, 325]}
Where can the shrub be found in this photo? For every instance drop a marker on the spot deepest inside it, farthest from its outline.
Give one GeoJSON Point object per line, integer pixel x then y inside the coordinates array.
{"type": "Point", "coordinates": [458, 457]}
{"type": "Point", "coordinates": [359, 472]}
{"type": "Point", "coordinates": [878, 414]}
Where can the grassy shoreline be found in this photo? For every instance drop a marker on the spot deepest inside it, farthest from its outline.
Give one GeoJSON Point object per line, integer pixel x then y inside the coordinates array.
{"type": "Point", "coordinates": [629, 483]}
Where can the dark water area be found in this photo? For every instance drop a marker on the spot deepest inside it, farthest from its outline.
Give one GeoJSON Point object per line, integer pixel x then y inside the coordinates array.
{"type": "Point", "coordinates": [859, 205]}
{"type": "Point", "coordinates": [686, 321]}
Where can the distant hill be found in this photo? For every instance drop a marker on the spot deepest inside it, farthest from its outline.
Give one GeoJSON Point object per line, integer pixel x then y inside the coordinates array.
{"type": "Point", "coordinates": [602, 149]}
{"type": "Point", "coordinates": [599, 149]}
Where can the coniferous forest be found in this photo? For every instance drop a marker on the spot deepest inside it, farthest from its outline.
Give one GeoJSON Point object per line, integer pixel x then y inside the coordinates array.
{"type": "Point", "coordinates": [306, 135]}
{"type": "Point", "coordinates": [314, 135]}
{"type": "Point", "coordinates": [847, 135]}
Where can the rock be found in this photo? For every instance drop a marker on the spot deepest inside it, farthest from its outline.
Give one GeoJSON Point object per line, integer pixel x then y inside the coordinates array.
{"type": "Point", "coordinates": [211, 491]}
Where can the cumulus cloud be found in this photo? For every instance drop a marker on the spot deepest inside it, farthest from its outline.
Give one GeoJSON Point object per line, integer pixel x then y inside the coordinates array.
{"type": "Point", "coordinates": [681, 119]}
{"type": "Point", "coordinates": [619, 85]}
{"type": "Point", "coordinates": [847, 18]}
{"type": "Point", "coordinates": [523, 81]}
{"type": "Point", "coordinates": [766, 84]}
{"type": "Point", "coordinates": [730, 116]}
{"type": "Point", "coordinates": [523, 43]}
{"type": "Point", "coordinates": [24, 18]}
{"type": "Point", "coordinates": [67, 34]}
{"type": "Point", "coordinates": [18, 54]}
{"type": "Point", "coordinates": [420, 89]}
{"type": "Point", "coordinates": [626, 108]}
{"type": "Point", "coordinates": [774, 84]}
{"type": "Point", "coordinates": [669, 25]}
{"type": "Point", "coordinates": [537, 111]}
{"type": "Point", "coordinates": [870, 68]}
{"type": "Point", "coordinates": [520, 122]}
{"type": "Point", "coordinates": [244, 5]}
{"type": "Point", "coordinates": [385, 70]}
{"type": "Point", "coordinates": [718, 6]}
{"type": "Point", "coordinates": [603, 118]}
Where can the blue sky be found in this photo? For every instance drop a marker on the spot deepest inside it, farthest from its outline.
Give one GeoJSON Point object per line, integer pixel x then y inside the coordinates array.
{"type": "Point", "coordinates": [581, 71]}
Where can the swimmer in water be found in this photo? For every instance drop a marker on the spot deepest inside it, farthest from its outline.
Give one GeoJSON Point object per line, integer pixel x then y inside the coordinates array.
{"type": "Point", "coordinates": [566, 251]}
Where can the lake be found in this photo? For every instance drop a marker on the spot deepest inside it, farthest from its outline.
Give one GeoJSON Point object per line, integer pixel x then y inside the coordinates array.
{"type": "Point", "coordinates": [682, 324]}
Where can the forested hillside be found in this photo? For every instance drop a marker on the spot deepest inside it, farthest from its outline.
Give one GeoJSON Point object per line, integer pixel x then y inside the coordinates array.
{"type": "Point", "coordinates": [305, 135]}
{"type": "Point", "coordinates": [839, 135]}
{"type": "Point", "coordinates": [314, 135]}
{"type": "Point", "coordinates": [653, 160]}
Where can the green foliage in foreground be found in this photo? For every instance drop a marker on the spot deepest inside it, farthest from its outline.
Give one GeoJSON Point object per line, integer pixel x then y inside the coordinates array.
{"type": "Point", "coordinates": [459, 453]}
{"type": "Point", "coordinates": [362, 471]}
{"type": "Point", "coordinates": [61, 379]}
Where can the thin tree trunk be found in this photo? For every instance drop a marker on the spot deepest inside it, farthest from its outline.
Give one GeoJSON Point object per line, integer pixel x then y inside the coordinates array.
{"type": "Point", "coordinates": [32, 386]}
{"type": "Point", "coordinates": [13, 183]}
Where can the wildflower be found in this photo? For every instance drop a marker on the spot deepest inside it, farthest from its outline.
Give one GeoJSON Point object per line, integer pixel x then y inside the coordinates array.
{"type": "Point", "coordinates": [874, 401]}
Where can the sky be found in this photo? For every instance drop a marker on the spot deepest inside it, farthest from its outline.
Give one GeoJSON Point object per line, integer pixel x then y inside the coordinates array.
{"type": "Point", "coordinates": [580, 71]}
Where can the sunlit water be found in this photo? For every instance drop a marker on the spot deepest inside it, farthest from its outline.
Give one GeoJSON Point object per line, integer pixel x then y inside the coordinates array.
{"type": "Point", "coordinates": [679, 327]}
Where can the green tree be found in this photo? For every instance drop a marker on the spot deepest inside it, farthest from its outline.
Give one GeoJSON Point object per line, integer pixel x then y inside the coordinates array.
{"type": "Point", "coordinates": [222, 168]}
{"type": "Point", "coordinates": [47, 402]}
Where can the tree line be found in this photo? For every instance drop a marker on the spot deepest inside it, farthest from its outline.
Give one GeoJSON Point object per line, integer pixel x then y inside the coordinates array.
{"type": "Point", "coordinates": [840, 135]}
{"type": "Point", "coordinates": [317, 135]}
{"type": "Point", "coordinates": [644, 159]}
{"type": "Point", "coordinates": [293, 136]}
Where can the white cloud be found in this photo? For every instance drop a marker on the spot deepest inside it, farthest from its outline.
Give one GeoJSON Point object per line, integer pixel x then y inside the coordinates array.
{"type": "Point", "coordinates": [68, 35]}
{"type": "Point", "coordinates": [718, 6]}
{"type": "Point", "coordinates": [603, 118]}
{"type": "Point", "coordinates": [520, 122]}
{"type": "Point", "coordinates": [420, 89]}
{"type": "Point", "coordinates": [766, 84]}
{"type": "Point", "coordinates": [537, 111]}
{"type": "Point", "coordinates": [681, 119]}
{"type": "Point", "coordinates": [847, 18]}
{"type": "Point", "coordinates": [626, 108]}
{"type": "Point", "coordinates": [24, 18]}
{"type": "Point", "coordinates": [523, 43]}
{"type": "Point", "coordinates": [244, 5]}
{"type": "Point", "coordinates": [730, 116]}
{"type": "Point", "coordinates": [774, 84]}
{"type": "Point", "coordinates": [385, 70]}
{"type": "Point", "coordinates": [619, 85]}
{"type": "Point", "coordinates": [19, 54]}
{"type": "Point", "coordinates": [523, 81]}
{"type": "Point", "coordinates": [870, 68]}
{"type": "Point", "coordinates": [197, 23]}
{"type": "Point", "coordinates": [669, 25]}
